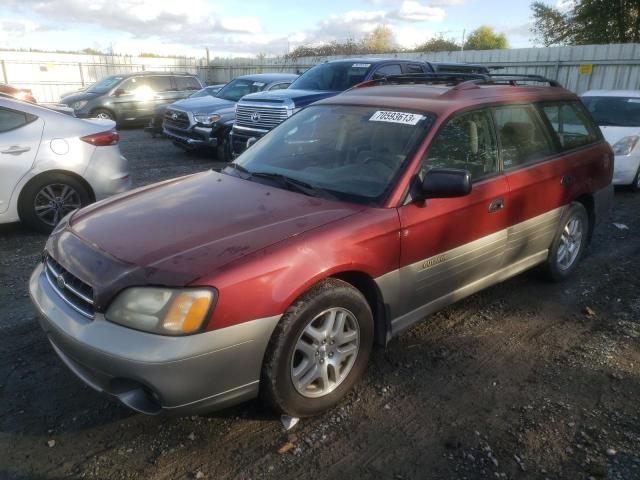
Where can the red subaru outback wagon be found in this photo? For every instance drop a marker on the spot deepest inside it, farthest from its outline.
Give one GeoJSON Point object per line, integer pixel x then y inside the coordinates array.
{"type": "Point", "coordinates": [345, 225]}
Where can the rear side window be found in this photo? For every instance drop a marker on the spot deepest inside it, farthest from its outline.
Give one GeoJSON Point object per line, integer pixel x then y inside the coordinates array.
{"type": "Point", "coordinates": [413, 68]}
{"type": "Point", "coordinates": [187, 83]}
{"type": "Point", "coordinates": [387, 70]}
{"type": "Point", "coordinates": [466, 142]}
{"type": "Point", "coordinates": [572, 126]}
{"type": "Point", "coordinates": [522, 138]}
{"type": "Point", "coordinates": [11, 119]}
{"type": "Point", "coordinates": [160, 83]}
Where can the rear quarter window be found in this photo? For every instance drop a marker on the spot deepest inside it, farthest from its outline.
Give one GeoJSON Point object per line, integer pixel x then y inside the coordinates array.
{"type": "Point", "coordinates": [12, 119]}
{"type": "Point", "coordinates": [572, 126]}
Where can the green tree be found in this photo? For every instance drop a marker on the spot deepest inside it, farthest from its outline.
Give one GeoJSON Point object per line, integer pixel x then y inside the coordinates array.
{"type": "Point", "coordinates": [485, 38]}
{"type": "Point", "coordinates": [438, 44]}
{"type": "Point", "coordinates": [587, 22]}
{"type": "Point", "coordinates": [380, 40]}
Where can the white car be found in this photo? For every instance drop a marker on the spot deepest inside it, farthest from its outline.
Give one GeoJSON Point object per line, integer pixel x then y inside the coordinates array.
{"type": "Point", "coordinates": [51, 163]}
{"type": "Point", "coordinates": [617, 112]}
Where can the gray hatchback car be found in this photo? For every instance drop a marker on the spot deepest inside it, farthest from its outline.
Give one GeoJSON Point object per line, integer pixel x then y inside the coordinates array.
{"type": "Point", "coordinates": [131, 97]}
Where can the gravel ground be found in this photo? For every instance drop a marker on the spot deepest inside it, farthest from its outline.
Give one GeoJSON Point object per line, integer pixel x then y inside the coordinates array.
{"type": "Point", "coordinates": [526, 380]}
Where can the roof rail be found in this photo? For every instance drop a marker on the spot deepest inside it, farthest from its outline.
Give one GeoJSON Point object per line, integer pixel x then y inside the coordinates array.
{"type": "Point", "coordinates": [514, 78]}
{"type": "Point", "coordinates": [459, 81]}
{"type": "Point", "coordinates": [427, 78]}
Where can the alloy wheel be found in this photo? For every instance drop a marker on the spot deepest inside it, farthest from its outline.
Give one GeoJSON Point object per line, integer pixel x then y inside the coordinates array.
{"type": "Point", "coordinates": [325, 352]}
{"type": "Point", "coordinates": [570, 243]}
{"type": "Point", "coordinates": [54, 201]}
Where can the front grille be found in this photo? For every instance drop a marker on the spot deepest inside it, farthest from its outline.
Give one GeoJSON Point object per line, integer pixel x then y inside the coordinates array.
{"type": "Point", "coordinates": [77, 294]}
{"type": "Point", "coordinates": [176, 118]}
{"type": "Point", "coordinates": [265, 117]}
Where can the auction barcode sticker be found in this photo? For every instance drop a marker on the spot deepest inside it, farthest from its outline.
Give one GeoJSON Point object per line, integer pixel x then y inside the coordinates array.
{"type": "Point", "coordinates": [396, 117]}
{"type": "Point", "coordinates": [361, 65]}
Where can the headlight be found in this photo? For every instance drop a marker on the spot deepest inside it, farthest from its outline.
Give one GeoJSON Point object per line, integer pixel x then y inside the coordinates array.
{"type": "Point", "coordinates": [207, 118]}
{"type": "Point", "coordinates": [625, 145]}
{"type": "Point", "coordinates": [79, 105]}
{"type": "Point", "coordinates": [165, 311]}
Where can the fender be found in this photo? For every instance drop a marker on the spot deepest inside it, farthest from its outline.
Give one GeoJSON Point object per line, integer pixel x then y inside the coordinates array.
{"type": "Point", "coordinates": [266, 282]}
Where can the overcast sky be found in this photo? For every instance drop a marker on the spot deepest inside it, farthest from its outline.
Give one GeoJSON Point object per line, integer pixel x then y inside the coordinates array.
{"type": "Point", "coordinates": [245, 27]}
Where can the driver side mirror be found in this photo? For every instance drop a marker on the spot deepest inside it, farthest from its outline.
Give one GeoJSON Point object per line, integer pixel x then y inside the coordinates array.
{"type": "Point", "coordinates": [118, 92]}
{"type": "Point", "coordinates": [446, 183]}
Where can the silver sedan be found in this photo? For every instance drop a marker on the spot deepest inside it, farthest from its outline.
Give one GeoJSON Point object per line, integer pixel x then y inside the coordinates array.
{"type": "Point", "coordinates": [52, 164]}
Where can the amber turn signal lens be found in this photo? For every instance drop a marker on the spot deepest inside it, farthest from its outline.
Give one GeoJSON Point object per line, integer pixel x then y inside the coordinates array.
{"type": "Point", "coordinates": [187, 311]}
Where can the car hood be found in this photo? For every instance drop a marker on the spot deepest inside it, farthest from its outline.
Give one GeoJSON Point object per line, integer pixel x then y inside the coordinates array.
{"type": "Point", "coordinates": [613, 134]}
{"type": "Point", "coordinates": [299, 98]}
{"type": "Point", "coordinates": [204, 104]}
{"type": "Point", "coordinates": [77, 97]}
{"type": "Point", "coordinates": [191, 226]}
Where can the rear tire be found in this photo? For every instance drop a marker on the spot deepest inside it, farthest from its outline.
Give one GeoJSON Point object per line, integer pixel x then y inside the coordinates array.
{"type": "Point", "coordinates": [324, 364]}
{"type": "Point", "coordinates": [569, 244]}
{"type": "Point", "coordinates": [49, 198]}
{"type": "Point", "coordinates": [104, 114]}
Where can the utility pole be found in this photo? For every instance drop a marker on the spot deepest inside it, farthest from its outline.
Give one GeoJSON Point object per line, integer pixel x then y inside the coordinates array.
{"type": "Point", "coordinates": [462, 44]}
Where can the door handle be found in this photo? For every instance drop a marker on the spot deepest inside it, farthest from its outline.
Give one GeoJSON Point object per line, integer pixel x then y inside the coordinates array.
{"type": "Point", "coordinates": [15, 150]}
{"type": "Point", "coordinates": [496, 205]}
{"type": "Point", "coordinates": [565, 181]}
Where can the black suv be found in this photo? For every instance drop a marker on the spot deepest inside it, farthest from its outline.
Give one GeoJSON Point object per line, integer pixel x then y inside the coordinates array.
{"type": "Point", "coordinates": [131, 97]}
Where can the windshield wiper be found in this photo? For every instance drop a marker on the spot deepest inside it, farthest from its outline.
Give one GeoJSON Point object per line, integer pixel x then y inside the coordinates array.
{"type": "Point", "coordinates": [238, 167]}
{"type": "Point", "coordinates": [295, 184]}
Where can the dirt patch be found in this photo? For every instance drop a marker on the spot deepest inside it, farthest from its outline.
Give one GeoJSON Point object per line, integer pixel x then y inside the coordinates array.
{"type": "Point", "coordinates": [518, 381]}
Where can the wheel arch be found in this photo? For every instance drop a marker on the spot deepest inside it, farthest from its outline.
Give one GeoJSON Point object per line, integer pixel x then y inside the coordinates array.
{"type": "Point", "coordinates": [366, 285]}
{"type": "Point", "coordinates": [68, 173]}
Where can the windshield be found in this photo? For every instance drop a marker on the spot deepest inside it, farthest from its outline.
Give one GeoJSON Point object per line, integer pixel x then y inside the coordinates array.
{"type": "Point", "coordinates": [614, 111]}
{"type": "Point", "coordinates": [332, 76]}
{"type": "Point", "coordinates": [350, 153]}
{"type": "Point", "coordinates": [205, 92]}
{"type": "Point", "coordinates": [104, 85]}
{"type": "Point", "coordinates": [236, 89]}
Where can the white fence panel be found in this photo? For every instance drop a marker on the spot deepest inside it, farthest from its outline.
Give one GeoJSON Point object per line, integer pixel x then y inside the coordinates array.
{"type": "Point", "coordinates": [51, 74]}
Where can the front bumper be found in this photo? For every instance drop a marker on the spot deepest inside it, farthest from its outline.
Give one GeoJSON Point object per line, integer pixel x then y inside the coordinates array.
{"type": "Point", "coordinates": [152, 373]}
{"type": "Point", "coordinates": [239, 136]}
{"type": "Point", "coordinates": [195, 137]}
{"type": "Point", "coordinates": [625, 169]}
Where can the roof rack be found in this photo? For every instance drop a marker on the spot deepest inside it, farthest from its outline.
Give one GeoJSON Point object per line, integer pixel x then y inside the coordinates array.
{"type": "Point", "coordinates": [513, 79]}
{"type": "Point", "coordinates": [428, 78]}
{"type": "Point", "coordinates": [459, 81]}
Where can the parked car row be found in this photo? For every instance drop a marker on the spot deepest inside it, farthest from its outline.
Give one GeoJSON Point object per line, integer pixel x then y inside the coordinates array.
{"type": "Point", "coordinates": [349, 222]}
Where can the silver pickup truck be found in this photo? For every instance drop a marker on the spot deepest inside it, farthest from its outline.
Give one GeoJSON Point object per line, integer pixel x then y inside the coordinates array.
{"type": "Point", "coordinates": [206, 121]}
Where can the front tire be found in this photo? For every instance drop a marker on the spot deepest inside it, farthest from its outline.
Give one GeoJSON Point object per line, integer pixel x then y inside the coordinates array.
{"type": "Point", "coordinates": [319, 350]}
{"type": "Point", "coordinates": [569, 244]}
{"type": "Point", "coordinates": [49, 198]}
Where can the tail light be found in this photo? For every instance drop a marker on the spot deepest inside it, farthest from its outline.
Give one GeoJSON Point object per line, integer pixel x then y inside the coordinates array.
{"type": "Point", "coordinates": [102, 139]}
